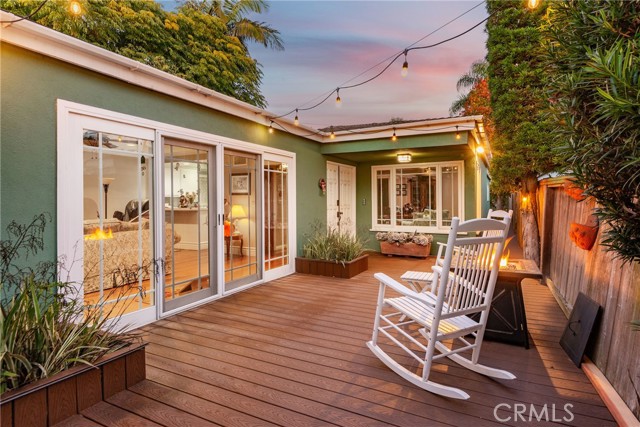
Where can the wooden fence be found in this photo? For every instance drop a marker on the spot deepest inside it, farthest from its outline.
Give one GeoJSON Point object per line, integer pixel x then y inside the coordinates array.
{"type": "Point", "coordinates": [615, 286]}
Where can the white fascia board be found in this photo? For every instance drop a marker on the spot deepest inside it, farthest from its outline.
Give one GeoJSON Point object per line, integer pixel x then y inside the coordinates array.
{"type": "Point", "coordinates": [45, 41]}
{"type": "Point", "coordinates": [426, 127]}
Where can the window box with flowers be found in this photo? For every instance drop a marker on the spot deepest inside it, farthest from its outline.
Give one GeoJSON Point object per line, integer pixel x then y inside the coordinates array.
{"type": "Point", "coordinates": [405, 244]}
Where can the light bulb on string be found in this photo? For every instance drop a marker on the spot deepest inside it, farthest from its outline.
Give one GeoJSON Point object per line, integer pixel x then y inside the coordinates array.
{"type": "Point", "coordinates": [338, 100]}
{"type": "Point", "coordinates": [405, 66]}
{"type": "Point", "coordinates": [271, 127]}
{"type": "Point", "coordinates": [75, 8]}
{"type": "Point", "coordinates": [457, 133]}
{"type": "Point", "coordinates": [394, 138]}
{"type": "Point", "coordinates": [532, 4]}
{"type": "Point", "coordinates": [296, 121]}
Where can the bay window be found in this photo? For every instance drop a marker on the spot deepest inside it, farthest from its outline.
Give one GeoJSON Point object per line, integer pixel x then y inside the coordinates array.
{"type": "Point", "coordinates": [418, 196]}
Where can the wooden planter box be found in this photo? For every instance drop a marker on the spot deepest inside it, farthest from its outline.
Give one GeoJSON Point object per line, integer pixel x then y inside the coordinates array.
{"type": "Point", "coordinates": [405, 249]}
{"type": "Point", "coordinates": [332, 269]}
{"type": "Point", "coordinates": [47, 402]}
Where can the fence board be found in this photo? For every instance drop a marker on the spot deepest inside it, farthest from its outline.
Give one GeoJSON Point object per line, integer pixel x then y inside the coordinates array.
{"type": "Point", "coordinates": [614, 285]}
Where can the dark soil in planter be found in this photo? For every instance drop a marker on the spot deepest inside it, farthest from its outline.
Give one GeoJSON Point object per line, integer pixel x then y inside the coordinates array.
{"type": "Point", "coordinates": [332, 268]}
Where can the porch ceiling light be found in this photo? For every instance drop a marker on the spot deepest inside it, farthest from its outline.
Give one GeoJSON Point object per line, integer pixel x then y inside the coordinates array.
{"type": "Point", "coordinates": [404, 158]}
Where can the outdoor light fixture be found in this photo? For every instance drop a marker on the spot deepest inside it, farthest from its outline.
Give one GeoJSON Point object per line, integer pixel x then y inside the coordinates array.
{"type": "Point", "coordinates": [404, 158]}
{"type": "Point", "coordinates": [532, 4]}
{"type": "Point", "coordinates": [338, 100]}
{"type": "Point", "coordinates": [457, 133]}
{"type": "Point", "coordinates": [296, 121]}
{"type": "Point", "coordinates": [479, 149]}
{"type": "Point", "coordinates": [75, 8]}
{"type": "Point", "coordinates": [332, 135]}
{"type": "Point", "coordinates": [271, 127]}
{"type": "Point", "coordinates": [405, 66]}
{"type": "Point", "coordinates": [394, 138]}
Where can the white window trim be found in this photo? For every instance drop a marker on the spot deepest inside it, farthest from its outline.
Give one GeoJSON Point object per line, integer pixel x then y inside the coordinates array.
{"type": "Point", "coordinates": [392, 182]}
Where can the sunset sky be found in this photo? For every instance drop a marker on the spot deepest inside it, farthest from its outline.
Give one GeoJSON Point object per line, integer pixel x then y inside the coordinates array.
{"type": "Point", "coordinates": [328, 43]}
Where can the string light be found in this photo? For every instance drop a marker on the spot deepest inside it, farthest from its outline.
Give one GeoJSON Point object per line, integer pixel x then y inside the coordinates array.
{"type": "Point", "coordinates": [394, 138]}
{"type": "Point", "coordinates": [296, 121]}
{"type": "Point", "coordinates": [457, 133]}
{"type": "Point", "coordinates": [75, 8]}
{"type": "Point", "coordinates": [392, 61]}
{"type": "Point", "coordinates": [271, 127]}
{"type": "Point", "coordinates": [532, 4]}
{"type": "Point", "coordinates": [405, 66]}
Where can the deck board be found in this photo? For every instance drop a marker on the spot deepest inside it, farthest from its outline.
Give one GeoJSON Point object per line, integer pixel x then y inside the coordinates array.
{"type": "Point", "coordinates": [292, 353]}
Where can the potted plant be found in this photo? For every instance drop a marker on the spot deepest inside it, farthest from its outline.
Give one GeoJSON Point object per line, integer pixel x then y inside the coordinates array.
{"type": "Point", "coordinates": [406, 244]}
{"type": "Point", "coordinates": [55, 353]}
{"type": "Point", "coordinates": [332, 253]}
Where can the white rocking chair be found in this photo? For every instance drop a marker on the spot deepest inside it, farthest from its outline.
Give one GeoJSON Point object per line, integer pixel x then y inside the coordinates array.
{"type": "Point", "coordinates": [422, 281]}
{"type": "Point", "coordinates": [463, 284]}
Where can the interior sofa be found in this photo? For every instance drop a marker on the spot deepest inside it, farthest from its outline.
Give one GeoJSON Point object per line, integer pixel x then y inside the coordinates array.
{"type": "Point", "coordinates": [122, 261]}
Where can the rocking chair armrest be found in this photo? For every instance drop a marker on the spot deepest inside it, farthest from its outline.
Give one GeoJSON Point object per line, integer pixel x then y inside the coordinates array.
{"type": "Point", "coordinates": [403, 290]}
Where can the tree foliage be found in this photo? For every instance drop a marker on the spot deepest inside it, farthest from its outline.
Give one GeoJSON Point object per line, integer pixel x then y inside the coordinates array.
{"type": "Point", "coordinates": [594, 60]}
{"type": "Point", "coordinates": [187, 43]}
{"type": "Point", "coordinates": [477, 101]}
{"type": "Point", "coordinates": [232, 14]}
{"type": "Point", "coordinates": [522, 145]}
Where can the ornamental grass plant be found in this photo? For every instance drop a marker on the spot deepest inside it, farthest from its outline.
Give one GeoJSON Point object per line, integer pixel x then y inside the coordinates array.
{"type": "Point", "coordinates": [42, 331]}
{"type": "Point", "coordinates": [332, 245]}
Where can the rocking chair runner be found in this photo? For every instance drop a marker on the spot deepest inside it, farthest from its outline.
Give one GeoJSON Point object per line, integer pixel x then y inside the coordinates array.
{"type": "Point", "coordinates": [463, 284]}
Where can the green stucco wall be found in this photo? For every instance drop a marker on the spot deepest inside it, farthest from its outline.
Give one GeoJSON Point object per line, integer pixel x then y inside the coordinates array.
{"type": "Point", "coordinates": [30, 86]}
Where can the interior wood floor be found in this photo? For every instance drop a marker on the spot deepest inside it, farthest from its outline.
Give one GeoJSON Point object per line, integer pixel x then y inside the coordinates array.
{"type": "Point", "coordinates": [292, 352]}
{"type": "Point", "coordinates": [185, 272]}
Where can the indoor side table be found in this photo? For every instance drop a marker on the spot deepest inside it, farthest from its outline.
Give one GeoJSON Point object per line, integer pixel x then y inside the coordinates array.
{"type": "Point", "coordinates": [234, 236]}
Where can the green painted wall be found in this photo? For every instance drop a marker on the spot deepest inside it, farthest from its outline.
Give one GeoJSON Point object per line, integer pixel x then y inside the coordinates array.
{"type": "Point", "coordinates": [32, 83]}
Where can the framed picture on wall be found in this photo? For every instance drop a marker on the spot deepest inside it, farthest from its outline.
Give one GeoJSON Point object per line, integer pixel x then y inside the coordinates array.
{"type": "Point", "coordinates": [241, 183]}
{"type": "Point", "coordinates": [397, 189]}
{"type": "Point", "coordinates": [404, 189]}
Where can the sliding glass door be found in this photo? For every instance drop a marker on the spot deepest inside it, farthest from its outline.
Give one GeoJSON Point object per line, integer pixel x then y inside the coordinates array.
{"type": "Point", "coordinates": [242, 248]}
{"type": "Point", "coordinates": [188, 231]}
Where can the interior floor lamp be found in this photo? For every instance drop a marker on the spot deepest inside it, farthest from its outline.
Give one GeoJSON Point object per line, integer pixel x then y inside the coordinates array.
{"type": "Point", "coordinates": [106, 182]}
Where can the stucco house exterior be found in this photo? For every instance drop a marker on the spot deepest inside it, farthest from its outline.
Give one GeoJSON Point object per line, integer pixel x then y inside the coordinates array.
{"type": "Point", "coordinates": [191, 180]}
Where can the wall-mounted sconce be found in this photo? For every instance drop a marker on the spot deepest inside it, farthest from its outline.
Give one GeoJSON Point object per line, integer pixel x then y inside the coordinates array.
{"type": "Point", "coordinates": [323, 185]}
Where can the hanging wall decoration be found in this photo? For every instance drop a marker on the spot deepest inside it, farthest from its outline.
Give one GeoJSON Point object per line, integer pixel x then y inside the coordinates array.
{"type": "Point", "coordinates": [584, 235]}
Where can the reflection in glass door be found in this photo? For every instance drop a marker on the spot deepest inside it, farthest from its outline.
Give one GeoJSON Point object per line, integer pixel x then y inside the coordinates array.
{"type": "Point", "coordinates": [241, 219]}
{"type": "Point", "coordinates": [188, 260]}
{"type": "Point", "coordinates": [276, 215]}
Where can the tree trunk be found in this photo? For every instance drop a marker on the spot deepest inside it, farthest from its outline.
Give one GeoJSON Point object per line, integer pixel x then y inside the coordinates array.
{"type": "Point", "coordinates": [529, 217]}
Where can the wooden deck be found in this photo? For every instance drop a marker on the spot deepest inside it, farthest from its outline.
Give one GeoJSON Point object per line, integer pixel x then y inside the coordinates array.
{"type": "Point", "coordinates": [292, 353]}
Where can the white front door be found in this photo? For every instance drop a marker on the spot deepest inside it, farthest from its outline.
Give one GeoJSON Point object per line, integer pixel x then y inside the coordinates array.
{"type": "Point", "coordinates": [341, 197]}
